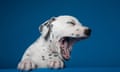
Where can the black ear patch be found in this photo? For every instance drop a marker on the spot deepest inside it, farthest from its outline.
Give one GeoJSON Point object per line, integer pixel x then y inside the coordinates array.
{"type": "Point", "coordinates": [48, 34]}
{"type": "Point", "coordinates": [41, 28]}
{"type": "Point", "coordinates": [49, 26]}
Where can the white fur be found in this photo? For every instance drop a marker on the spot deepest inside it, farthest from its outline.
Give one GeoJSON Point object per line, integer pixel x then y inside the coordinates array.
{"type": "Point", "coordinates": [32, 57]}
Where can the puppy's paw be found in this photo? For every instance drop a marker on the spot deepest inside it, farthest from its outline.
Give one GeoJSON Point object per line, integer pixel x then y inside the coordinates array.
{"type": "Point", "coordinates": [56, 64]}
{"type": "Point", "coordinates": [26, 65]}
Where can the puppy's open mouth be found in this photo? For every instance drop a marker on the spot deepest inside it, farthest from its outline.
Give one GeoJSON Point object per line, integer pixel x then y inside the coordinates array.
{"type": "Point", "coordinates": [66, 44]}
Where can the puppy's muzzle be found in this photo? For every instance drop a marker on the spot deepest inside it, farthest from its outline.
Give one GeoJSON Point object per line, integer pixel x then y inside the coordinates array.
{"type": "Point", "coordinates": [87, 32]}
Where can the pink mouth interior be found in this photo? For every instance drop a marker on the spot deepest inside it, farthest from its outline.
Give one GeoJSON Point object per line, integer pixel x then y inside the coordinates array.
{"type": "Point", "coordinates": [66, 45]}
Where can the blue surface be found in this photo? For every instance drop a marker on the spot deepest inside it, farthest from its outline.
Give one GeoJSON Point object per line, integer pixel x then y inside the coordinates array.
{"type": "Point", "coordinates": [69, 70]}
{"type": "Point", "coordinates": [19, 21]}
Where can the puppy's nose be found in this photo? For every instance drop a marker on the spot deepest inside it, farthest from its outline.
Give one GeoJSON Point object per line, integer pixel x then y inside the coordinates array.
{"type": "Point", "coordinates": [87, 32]}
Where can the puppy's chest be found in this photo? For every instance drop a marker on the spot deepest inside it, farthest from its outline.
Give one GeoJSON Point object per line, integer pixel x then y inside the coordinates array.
{"type": "Point", "coordinates": [45, 55]}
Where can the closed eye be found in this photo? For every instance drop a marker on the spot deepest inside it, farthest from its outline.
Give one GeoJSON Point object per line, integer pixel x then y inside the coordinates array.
{"type": "Point", "coordinates": [71, 22]}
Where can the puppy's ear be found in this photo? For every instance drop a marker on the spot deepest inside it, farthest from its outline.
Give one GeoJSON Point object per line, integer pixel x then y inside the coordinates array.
{"type": "Point", "coordinates": [45, 28]}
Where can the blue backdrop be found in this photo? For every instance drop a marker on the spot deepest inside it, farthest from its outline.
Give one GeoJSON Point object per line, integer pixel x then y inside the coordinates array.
{"type": "Point", "coordinates": [19, 21]}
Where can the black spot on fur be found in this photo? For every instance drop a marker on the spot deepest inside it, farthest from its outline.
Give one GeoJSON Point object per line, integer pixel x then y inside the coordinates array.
{"type": "Point", "coordinates": [72, 33]}
{"type": "Point", "coordinates": [55, 55]}
{"type": "Point", "coordinates": [43, 57]}
{"type": "Point", "coordinates": [50, 40]}
{"type": "Point", "coordinates": [53, 18]}
{"type": "Point", "coordinates": [77, 35]}
{"type": "Point", "coordinates": [54, 52]}
{"type": "Point", "coordinates": [77, 29]}
{"type": "Point", "coordinates": [49, 54]}
{"type": "Point", "coordinates": [46, 23]}
{"type": "Point", "coordinates": [28, 54]}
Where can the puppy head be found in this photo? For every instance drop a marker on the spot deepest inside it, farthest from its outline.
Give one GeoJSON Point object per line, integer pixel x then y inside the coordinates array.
{"type": "Point", "coordinates": [67, 30]}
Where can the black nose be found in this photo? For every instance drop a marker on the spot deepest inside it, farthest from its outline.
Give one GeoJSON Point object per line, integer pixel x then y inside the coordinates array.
{"type": "Point", "coordinates": [87, 32]}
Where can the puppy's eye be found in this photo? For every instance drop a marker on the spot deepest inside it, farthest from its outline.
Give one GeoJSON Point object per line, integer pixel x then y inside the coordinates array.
{"type": "Point", "coordinates": [70, 22]}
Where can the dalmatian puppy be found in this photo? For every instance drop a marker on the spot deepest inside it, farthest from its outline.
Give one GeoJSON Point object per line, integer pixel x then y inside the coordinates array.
{"type": "Point", "coordinates": [53, 47]}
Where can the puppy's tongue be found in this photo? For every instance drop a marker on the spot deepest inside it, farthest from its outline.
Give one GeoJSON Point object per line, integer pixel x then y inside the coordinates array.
{"type": "Point", "coordinates": [65, 50]}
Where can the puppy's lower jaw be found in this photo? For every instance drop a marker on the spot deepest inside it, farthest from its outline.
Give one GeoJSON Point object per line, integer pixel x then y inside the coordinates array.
{"type": "Point", "coordinates": [66, 44]}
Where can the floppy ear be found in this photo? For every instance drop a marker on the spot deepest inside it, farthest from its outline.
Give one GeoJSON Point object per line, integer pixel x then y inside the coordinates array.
{"type": "Point", "coordinates": [45, 28]}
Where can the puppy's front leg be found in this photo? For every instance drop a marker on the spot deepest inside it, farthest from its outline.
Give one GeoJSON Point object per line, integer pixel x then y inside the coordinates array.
{"type": "Point", "coordinates": [56, 64]}
{"type": "Point", "coordinates": [26, 63]}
